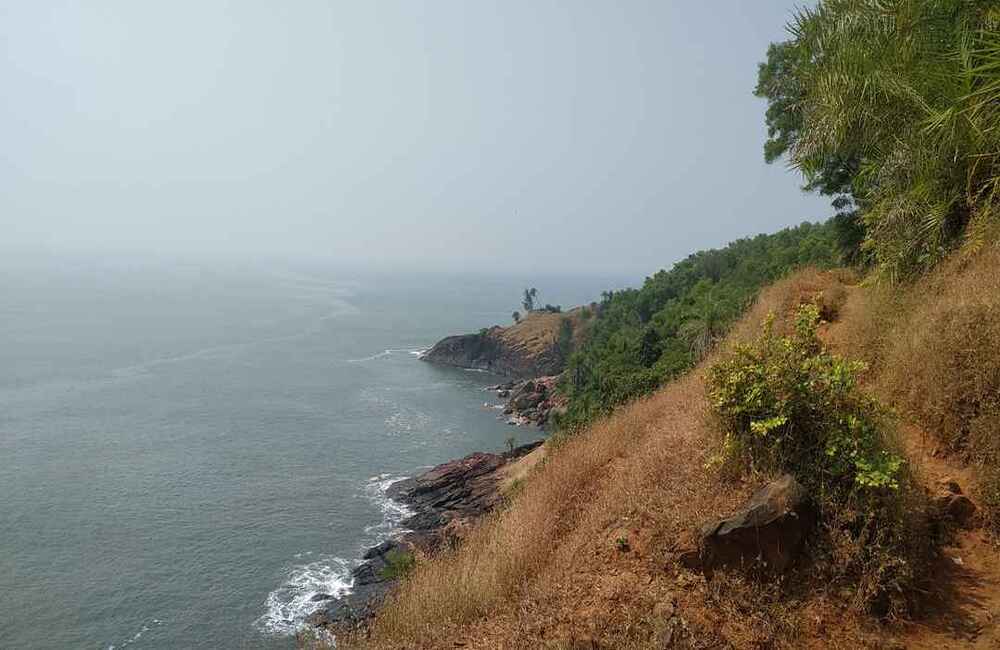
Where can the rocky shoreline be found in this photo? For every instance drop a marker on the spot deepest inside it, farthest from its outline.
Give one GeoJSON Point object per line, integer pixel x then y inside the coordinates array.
{"type": "Point", "coordinates": [444, 502]}
{"type": "Point", "coordinates": [531, 401]}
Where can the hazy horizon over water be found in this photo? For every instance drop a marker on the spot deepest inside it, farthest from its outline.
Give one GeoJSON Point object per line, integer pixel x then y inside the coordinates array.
{"type": "Point", "coordinates": [188, 452]}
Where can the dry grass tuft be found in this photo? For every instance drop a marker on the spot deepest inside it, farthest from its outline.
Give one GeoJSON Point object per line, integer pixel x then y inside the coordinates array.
{"type": "Point", "coordinates": [943, 359]}
{"type": "Point", "coordinates": [828, 290]}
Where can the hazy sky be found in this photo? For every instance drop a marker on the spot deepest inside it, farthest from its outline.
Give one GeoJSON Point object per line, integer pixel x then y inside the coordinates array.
{"type": "Point", "coordinates": [549, 135]}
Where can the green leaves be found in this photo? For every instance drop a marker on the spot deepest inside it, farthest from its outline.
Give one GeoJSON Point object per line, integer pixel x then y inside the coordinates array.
{"type": "Point", "coordinates": [787, 404]}
{"type": "Point", "coordinates": [764, 427]}
{"type": "Point", "coordinates": [643, 338]}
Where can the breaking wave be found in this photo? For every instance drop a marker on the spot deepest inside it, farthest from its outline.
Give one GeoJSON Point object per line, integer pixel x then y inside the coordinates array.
{"type": "Point", "coordinates": [288, 606]}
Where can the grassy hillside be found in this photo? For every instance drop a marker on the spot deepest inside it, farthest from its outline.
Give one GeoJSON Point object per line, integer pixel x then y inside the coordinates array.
{"type": "Point", "coordinates": [538, 331]}
{"type": "Point", "coordinates": [551, 569]}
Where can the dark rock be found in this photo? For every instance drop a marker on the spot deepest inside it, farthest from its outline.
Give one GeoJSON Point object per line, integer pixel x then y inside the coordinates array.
{"type": "Point", "coordinates": [317, 598]}
{"type": "Point", "coordinates": [381, 549]}
{"type": "Point", "coordinates": [425, 520]}
{"type": "Point", "coordinates": [352, 609]}
{"type": "Point", "coordinates": [527, 400]}
{"type": "Point", "coordinates": [369, 573]}
{"type": "Point", "coordinates": [767, 533]}
{"type": "Point", "coordinates": [956, 507]}
{"type": "Point", "coordinates": [950, 485]}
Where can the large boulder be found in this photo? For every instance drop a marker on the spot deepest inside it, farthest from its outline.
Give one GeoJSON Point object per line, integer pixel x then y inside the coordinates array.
{"type": "Point", "coordinates": [767, 533]}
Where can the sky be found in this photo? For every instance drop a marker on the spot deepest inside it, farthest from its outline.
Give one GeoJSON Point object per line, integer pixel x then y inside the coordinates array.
{"type": "Point", "coordinates": [541, 135]}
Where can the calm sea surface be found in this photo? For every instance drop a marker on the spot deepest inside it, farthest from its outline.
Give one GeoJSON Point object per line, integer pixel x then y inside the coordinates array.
{"type": "Point", "coordinates": [189, 453]}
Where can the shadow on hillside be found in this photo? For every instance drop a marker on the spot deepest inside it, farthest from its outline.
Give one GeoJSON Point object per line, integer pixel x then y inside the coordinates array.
{"type": "Point", "coordinates": [955, 600]}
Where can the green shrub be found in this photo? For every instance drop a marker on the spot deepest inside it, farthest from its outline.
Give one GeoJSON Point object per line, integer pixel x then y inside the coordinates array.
{"type": "Point", "coordinates": [785, 404]}
{"type": "Point", "coordinates": [398, 565]}
{"type": "Point", "coordinates": [788, 405]}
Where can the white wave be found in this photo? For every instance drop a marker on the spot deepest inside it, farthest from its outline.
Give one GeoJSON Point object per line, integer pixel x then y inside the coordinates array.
{"type": "Point", "coordinates": [287, 607]}
{"type": "Point", "coordinates": [135, 637]}
{"type": "Point", "coordinates": [417, 352]}
{"type": "Point", "coordinates": [393, 512]}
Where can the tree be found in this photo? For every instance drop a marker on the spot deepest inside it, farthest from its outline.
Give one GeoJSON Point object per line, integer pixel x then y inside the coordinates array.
{"type": "Point", "coordinates": [893, 106]}
{"type": "Point", "coordinates": [516, 316]}
{"type": "Point", "coordinates": [529, 299]}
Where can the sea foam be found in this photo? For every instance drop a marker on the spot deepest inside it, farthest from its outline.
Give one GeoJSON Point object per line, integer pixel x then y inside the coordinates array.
{"type": "Point", "coordinates": [288, 606]}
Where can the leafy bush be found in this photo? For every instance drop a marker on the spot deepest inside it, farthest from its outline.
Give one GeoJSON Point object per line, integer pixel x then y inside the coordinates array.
{"type": "Point", "coordinates": [788, 405]}
{"type": "Point", "coordinates": [785, 404]}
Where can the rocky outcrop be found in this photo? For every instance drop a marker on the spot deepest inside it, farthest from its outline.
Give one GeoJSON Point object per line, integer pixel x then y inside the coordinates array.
{"type": "Point", "coordinates": [534, 401]}
{"type": "Point", "coordinates": [951, 505]}
{"type": "Point", "coordinates": [494, 351]}
{"type": "Point", "coordinates": [766, 534]}
{"type": "Point", "coordinates": [445, 500]}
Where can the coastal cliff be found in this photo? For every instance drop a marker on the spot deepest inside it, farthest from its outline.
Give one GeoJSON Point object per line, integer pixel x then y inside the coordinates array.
{"type": "Point", "coordinates": [536, 346]}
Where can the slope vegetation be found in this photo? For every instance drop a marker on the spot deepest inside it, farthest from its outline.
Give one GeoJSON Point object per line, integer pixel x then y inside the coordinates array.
{"type": "Point", "coordinates": [588, 552]}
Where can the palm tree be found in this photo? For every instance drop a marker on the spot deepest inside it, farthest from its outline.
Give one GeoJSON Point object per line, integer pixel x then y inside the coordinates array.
{"type": "Point", "coordinates": [703, 331]}
{"type": "Point", "coordinates": [529, 299]}
{"type": "Point", "coordinates": [910, 91]}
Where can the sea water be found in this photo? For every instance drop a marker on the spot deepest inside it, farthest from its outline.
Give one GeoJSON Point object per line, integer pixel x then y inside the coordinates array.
{"type": "Point", "coordinates": [189, 453]}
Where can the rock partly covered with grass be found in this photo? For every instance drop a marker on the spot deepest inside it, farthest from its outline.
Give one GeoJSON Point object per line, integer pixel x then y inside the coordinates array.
{"type": "Point", "coordinates": [534, 347]}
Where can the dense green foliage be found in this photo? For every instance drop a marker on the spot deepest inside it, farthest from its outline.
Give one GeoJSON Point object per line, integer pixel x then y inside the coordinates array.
{"type": "Point", "coordinates": [893, 106]}
{"type": "Point", "coordinates": [785, 404]}
{"type": "Point", "coordinates": [644, 337]}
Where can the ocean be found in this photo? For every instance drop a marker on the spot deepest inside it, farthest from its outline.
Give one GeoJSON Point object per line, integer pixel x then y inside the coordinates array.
{"type": "Point", "coordinates": [189, 452]}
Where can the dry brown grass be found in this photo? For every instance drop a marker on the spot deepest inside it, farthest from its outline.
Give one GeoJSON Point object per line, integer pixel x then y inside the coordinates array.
{"type": "Point", "coordinates": [942, 362]}
{"type": "Point", "coordinates": [539, 330]}
{"type": "Point", "coordinates": [827, 289]}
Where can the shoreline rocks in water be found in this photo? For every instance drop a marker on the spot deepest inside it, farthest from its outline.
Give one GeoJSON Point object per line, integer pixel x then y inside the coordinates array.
{"type": "Point", "coordinates": [444, 500]}
{"type": "Point", "coordinates": [532, 401]}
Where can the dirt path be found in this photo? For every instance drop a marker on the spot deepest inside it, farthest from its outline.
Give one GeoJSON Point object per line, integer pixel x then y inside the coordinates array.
{"type": "Point", "coordinates": [963, 608]}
